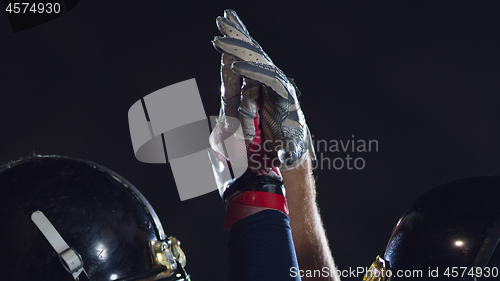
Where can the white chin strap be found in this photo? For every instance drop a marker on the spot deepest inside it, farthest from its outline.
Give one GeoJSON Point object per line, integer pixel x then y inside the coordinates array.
{"type": "Point", "coordinates": [73, 262]}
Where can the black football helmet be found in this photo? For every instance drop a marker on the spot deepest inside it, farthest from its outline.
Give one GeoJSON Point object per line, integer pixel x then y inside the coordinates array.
{"type": "Point", "coordinates": [70, 219]}
{"type": "Point", "coordinates": [449, 233]}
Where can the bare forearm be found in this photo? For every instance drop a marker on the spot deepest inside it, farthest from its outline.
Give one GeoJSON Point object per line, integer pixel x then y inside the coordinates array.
{"type": "Point", "coordinates": [311, 244]}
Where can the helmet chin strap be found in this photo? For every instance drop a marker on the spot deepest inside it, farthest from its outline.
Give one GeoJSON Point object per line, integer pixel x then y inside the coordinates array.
{"type": "Point", "coordinates": [73, 262]}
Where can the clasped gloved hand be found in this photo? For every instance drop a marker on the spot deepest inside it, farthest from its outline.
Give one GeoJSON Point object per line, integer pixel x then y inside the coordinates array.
{"type": "Point", "coordinates": [264, 100]}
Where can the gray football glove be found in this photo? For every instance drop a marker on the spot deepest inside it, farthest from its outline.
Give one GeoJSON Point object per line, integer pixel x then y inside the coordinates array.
{"type": "Point", "coordinates": [263, 99]}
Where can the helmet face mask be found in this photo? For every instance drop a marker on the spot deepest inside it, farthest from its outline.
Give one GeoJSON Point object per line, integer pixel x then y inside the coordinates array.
{"type": "Point", "coordinates": [99, 214]}
{"type": "Point", "coordinates": [450, 232]}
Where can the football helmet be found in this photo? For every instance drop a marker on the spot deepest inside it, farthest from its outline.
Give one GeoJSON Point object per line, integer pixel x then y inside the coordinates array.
{"type": "Point", "coordinates": [70, 219]}
{"type": "Point", "coordinates": [449, 233]}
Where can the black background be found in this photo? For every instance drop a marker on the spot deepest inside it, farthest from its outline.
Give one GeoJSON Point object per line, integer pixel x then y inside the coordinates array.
{"type": "Point", "coordinates": [421, 78]}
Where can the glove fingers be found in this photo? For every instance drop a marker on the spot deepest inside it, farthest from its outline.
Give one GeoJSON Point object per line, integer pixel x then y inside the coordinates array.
{"type": "Point", "coordinates": [230, 88]}
{"type": "Point", "coordinates": [249, 97]}
{"type": "Point", "coordinates": [230, 29]}
{"type": "Point", "coordinates": [233, 30]}
{"type": "Point", "coordinates": [248, 110]}
{"type": "Point", "coordinates": [274, 112]}
{"type": "Point", "coordinates": [233, 17]}
{"type": "Point", "coordinates": [244, 51]}
{"type": "Point", "coordinates": [231, 83]}
{"type": "Point", "coordinates": [231, 26]}
{"type": "Point", "coordinates": [279, 121]}
{"type": "Point", "coordinates": [270, 76]}
{"type": "Point", "coordinates": [228, 120]}
{"type": "Point", "coordinates": [283, 123]}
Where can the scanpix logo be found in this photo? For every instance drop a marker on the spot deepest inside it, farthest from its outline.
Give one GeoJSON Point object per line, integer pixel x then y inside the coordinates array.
{"type": "Point", "coordinates": [171, 124]}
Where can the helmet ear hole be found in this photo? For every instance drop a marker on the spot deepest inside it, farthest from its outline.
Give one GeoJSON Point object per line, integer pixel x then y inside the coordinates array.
{"type": "Point", "coordinates": [105, 223]}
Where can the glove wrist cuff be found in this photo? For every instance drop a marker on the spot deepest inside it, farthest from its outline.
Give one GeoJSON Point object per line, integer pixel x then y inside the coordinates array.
{"type": "Point", "coordinates": [250, 194]}
{"type": "Point", "coordinates": [251, 202]}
